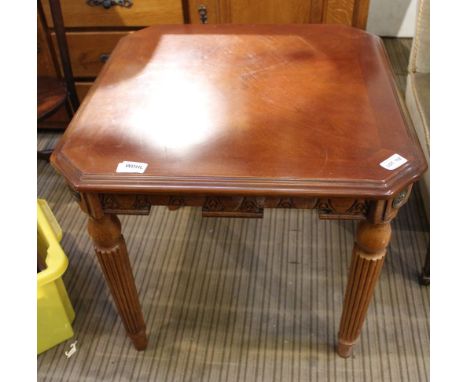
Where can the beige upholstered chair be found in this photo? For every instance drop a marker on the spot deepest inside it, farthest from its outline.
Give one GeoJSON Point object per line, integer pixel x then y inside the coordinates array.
{"type": "Point", "coordinates": [417, 99]}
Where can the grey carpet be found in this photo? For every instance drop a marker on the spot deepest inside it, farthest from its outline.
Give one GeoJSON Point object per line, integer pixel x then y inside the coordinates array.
{"type": "Point", "coordinates": [240, 299]}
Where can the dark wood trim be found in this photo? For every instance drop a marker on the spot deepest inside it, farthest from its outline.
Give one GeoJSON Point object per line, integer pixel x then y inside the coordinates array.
{"type": "Point", "coordinates": [186, 11]}
{"type": "Point", "coordinates": [48, 37]}
{"type": "Point", "coordinates": [52, 125]}
{"type": "Point", "coordinates": [324, 10]}
{"type": "Point", "coordinates": [316, 11]}
{"type": "Point", "coordinates": [361, 13]}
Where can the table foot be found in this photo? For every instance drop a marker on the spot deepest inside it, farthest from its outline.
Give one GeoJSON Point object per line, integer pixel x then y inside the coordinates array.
{"type": "Point", "coordinates": [140, 340]}
{"type": "Point", "coordinates": [111, 252]}
{"type": "Point", "coordinates": [368, 257]}
{"type": "Point", "coordinates": [344, 350]}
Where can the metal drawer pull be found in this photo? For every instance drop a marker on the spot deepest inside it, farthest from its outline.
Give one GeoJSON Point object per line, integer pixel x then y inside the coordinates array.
{"type": "Point", "coordinates": [109, 3]}
{"type": "Point", "coordinates": [203, 14]}
{"type": "Point", "coordinates": [104, 57]}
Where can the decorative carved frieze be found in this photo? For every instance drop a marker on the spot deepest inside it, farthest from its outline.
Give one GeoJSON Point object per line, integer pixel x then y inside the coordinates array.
{"type": "Point", "coordinates": [237, 206]}
{"type": "Point", "coordinates": [175, 202]}
{"type": "Point", "coordinates": [252, 205]}
{"type": "Point", "coordinates": [125, 204]}
{"type": "Point", "coordinates": [286, 203]}
{"type": "Point", "coordinates": [109, 202]}
{"type": "Point", "coordinates": [233, 207]}
{"type": "Point", "coordinates": [141, 202]}
{"type": "Point", "coordinates": [343, 208]}
{"type": "Point", "coordinates": [213, 204]}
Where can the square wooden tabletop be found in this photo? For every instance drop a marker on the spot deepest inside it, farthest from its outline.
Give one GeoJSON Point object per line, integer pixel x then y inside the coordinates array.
{"type": "Point", "coordinates": [285, 109]}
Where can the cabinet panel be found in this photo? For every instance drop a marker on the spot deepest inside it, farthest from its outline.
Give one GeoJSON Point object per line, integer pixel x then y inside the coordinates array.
{"type": "Point", "coordinates": [89, 50]}
{"type": "Point", "coordinates": [254, 12]}
{"type": "Point", "coordinates": [348, 12]}
{"type": "Point", "coordinates": [77, 13]}
{"type": "Point", "coordinates": [268, 12]}
{"type": "Point", "coordinates": [338, 12]}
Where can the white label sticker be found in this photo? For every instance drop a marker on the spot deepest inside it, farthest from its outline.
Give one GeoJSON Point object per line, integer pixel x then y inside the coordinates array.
{"type": "Point", "coordinates": [393, 162]}
{"type": "Point", "coordinates": [127, 166]}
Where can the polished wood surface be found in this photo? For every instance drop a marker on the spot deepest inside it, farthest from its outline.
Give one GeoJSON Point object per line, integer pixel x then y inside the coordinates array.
{"type": "Point", "coordinates": [306, 110]}
{"type": "Point", "coordinates": [92, 31]}
{"type": "Point", "coordinates": [236, 119]}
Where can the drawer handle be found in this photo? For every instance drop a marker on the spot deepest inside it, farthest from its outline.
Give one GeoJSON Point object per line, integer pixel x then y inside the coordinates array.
{"type": "Point", "coordinates": [109, 3]}
{"type": "Point", "coordinates": [203, 14]}
{"type": "Point", "coordinates": [104, 57]}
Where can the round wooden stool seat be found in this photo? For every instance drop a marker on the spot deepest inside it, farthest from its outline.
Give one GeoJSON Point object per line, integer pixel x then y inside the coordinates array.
{"type": "Point", "coordinates": [51, 94]}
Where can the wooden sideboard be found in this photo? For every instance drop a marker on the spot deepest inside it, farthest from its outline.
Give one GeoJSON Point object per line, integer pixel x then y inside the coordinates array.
{"type": "Point", "coordinates": [93, 30]}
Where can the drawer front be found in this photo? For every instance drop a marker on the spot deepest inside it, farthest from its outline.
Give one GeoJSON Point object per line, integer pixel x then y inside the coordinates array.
{"type": "Point", "coordinates": [77, 13]}
{"type": "Point", "coordinates": [89, 50]}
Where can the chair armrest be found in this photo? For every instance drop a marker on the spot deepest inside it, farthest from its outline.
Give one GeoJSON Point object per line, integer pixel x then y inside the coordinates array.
{"type": "Point", "coordinates": [420, 50]}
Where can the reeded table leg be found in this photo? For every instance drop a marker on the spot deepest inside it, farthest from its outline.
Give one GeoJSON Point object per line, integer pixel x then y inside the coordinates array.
{"type": "Point", "coordinates": [111, 251]}
{"type": "Point", "coordinates": [368, 257]}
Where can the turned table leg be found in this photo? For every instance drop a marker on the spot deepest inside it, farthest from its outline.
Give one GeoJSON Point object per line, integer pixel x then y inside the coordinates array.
{"type": "Point", "coordinates": [111, 251]}
{"type": "Point", "coordinates": [368, 257]}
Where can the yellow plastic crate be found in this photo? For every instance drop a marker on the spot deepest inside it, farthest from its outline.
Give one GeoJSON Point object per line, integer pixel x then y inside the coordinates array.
{"type": "Point", "coordinates": [54, 310]}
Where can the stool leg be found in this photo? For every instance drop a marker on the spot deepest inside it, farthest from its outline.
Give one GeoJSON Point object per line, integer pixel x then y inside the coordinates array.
{"type": "Point", "coordinates": [44, 154]}
{"type": "Point", "coordinates": [111, 251]}
{"type": "Point", "coordinates": [368, 257]}
{"type": "Point", "coordinates": [425, 277]}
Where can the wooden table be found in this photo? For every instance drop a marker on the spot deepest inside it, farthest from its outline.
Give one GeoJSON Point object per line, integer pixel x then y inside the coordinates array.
{"type": "Point", "coordinates": [236, 119]}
